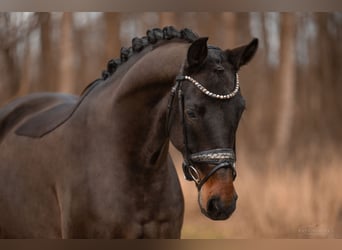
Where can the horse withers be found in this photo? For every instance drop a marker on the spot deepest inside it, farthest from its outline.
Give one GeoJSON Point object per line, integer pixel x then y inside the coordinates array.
{"type": "Point", "coordinates": [97, 165]}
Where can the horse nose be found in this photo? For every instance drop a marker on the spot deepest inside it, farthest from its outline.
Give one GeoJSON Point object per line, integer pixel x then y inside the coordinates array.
{"type": "Point", "coordinates": [217, 210]}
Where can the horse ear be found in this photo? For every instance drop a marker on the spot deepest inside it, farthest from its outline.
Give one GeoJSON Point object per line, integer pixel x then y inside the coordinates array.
{"type": "Point", "coordinates": [197, 51]}
{"type": "Point", "coordinates": [242, 55]}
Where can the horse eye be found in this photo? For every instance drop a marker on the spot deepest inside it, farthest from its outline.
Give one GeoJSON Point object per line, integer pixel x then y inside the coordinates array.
{"type": "Point", "coordinates": [219, 68]}
{"type": "Point", "coordinates": [191, 114]}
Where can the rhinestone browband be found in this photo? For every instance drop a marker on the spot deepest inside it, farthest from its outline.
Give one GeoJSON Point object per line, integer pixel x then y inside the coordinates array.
{"type": "Point", "coordinates": [211, 94]}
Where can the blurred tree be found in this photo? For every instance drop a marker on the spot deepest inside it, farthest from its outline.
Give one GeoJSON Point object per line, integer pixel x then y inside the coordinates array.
{"type": "Point", "coordinates": [264, 33]}
{"type": "Point", "coordinates": [10, 70]}
{"type": "Point", "coordinates": [14, 29]}
{"type": "Point", "coordinates": [26, 71]}
{"type": "Point", "coordinates": [329, 77]}
{"type": "Point", "coordinates": [46, 62]}
{"type": "Point", "coordinates": [286, 80]}
{"type": "Point", "coordinates": [227, 32]}
{"type": "Point", "coordinates": [66, 55]}
{"type": "Point", "coordinates": [168, 19]}
{"type": "Point", "coordinates": [112, 34]}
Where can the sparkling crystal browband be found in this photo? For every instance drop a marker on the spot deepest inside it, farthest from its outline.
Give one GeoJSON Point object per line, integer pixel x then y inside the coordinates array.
{"type": "Point", "coordinates": [211, 94]}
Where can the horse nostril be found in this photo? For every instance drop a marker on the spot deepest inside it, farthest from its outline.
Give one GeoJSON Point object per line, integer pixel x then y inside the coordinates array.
{"type": "Point", "coordinates": [214, 205]}
{"type": "Point", "coordinates": [235, 197]}
{"type": "Point", "coordinates": [217, 210]}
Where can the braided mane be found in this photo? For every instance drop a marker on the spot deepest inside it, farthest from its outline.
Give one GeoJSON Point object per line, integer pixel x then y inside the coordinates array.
{"type": "Point", "coordinates": [152, 37]}
{"type": "Point", "coordinates": [138, 44]}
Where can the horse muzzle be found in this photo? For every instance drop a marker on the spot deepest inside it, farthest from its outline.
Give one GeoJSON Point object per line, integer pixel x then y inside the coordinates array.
{"type": "Point", "coordinates": [218, 210]}
{"type": "Point", "coordinates": [216, 207]}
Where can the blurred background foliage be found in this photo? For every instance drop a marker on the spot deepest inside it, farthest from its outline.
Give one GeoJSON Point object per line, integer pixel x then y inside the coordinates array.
{"type": "Point", "coordinates": [289, 139]}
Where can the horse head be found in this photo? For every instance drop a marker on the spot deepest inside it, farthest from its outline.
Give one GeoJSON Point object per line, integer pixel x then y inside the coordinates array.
{"type": "Point", "coordinates": [205, 120]}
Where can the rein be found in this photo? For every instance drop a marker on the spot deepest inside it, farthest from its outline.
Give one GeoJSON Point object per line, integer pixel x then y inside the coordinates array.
{"type": "Point", "coordinates": [219, 157]}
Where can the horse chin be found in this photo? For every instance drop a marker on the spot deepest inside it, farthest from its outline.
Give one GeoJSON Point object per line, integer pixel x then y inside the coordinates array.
{"type": "Point", "coordinates": [223, 215]}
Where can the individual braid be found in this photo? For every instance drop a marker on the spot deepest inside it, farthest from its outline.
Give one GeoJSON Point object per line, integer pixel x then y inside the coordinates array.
{"type": "Point", "coordinates": [188, 35]}
{"type": "Point", "coordinates": [112, 65]}
{"type": "Point", "coordinates": [125, 53]}
{"type": "Point", "coordinates": [138, 44]}
{"type": "Point", "coordinates": [170, 32]}
{"type": "Point", "coordinates": [154, 35]}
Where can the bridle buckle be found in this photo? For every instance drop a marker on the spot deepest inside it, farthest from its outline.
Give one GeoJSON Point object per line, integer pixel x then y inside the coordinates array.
{"type": "Point", "coordinates": [191, 173]}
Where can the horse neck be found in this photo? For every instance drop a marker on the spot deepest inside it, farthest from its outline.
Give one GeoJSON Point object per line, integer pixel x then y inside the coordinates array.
{"type": "Point", "coordinates": [155, 69]}
{"type": "Point", "coordinates": [139, 100]}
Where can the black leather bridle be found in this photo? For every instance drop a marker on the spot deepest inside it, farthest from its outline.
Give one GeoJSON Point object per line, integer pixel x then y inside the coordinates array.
{"type": "Point", "coordinates": [219, 157]}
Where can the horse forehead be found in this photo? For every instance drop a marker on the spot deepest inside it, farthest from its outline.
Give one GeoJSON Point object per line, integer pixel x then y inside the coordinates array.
{"type": "Point", "coordinates": [215, 53]}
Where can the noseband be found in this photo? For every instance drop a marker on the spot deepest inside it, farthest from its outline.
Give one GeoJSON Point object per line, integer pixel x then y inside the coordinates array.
{"type": "Point", "coordinates": [219, 157]}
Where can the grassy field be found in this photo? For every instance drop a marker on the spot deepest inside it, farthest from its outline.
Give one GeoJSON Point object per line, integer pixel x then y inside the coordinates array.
{"type": "Point", "coordinates": [276, 202]}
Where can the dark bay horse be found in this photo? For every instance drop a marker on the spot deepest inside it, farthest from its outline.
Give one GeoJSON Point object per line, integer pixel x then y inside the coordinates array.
{"type": "Point", "coordinates": [97, 165]}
